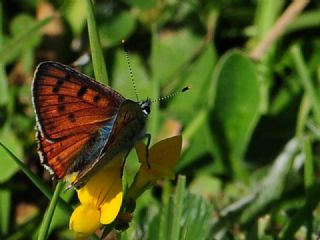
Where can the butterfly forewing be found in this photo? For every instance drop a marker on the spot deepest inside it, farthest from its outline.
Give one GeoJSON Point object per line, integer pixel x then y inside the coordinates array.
{"type": "Point", "coordinates": [71, 109]}
{"type": "Point", "coordinates": [66, 101]}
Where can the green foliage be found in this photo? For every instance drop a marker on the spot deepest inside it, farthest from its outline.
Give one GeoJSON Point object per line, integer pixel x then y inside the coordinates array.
{"type": "Point", "coordinates": [250, 160]}
{"type": "Point", "coordinates": [236, 108]}
{"type": "Point", "coordinates": [9, 167]}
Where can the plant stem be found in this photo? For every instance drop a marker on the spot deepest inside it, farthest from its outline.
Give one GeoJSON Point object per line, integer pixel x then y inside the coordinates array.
{"type": "Point", "coordinates": [303, 74]}
{"type": "Point", "coordinates": [99, 66]}
{"type": "Point", "coordinates": [43, 233]}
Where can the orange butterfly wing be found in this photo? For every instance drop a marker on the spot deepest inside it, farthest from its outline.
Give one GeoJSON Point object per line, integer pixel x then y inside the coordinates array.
{"type": "Point", "coordinates": [67, 102]}
{"type": "Point", "coordinates": [56, 156]}
{"type": "Point", "coordinates": [70, 109]}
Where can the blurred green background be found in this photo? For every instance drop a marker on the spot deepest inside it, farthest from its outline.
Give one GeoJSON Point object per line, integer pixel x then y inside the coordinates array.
{"type": "Point", "coordinates": [250, 126]}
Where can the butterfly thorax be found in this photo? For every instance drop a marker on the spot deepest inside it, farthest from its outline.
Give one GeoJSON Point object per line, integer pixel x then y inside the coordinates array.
{"type": "Point", "coordinates": [129, 125]}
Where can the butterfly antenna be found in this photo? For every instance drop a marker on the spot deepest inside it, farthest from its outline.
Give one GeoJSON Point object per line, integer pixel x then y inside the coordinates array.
{"type": "Point", "coordinates": [130, 70]}
{"type": "Point", "coordinates": [164, 98]}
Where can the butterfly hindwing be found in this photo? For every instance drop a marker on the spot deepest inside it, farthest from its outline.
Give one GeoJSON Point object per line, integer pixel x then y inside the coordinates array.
{"type": "Point", "coordinates": [128, 128]}
{"type": "Point", "coordinates": [56, 156]}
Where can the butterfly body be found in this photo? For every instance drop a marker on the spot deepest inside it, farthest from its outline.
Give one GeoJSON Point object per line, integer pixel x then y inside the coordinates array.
{"type": "Point", "coordinates": [81, 123]}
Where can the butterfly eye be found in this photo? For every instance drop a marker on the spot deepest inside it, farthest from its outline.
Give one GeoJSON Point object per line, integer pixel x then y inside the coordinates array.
{"type": "Point", "coordinates": [146, 110]}
{"type": "Point", "coordinates": [145, 107]}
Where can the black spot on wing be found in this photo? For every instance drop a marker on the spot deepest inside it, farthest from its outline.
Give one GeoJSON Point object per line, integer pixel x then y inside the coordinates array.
{"type": "Point", "coordinates": [82, 91]}
{"type": "Point", "coordinates": [61, 108]}
{"type": "Point", "coordinates": [96, 98]}
{"type": "Point", "coordinates": [58, 85]}
{"type": "Point", "coordinates": [59, 82]}
{"type": "Point", "coordinates": [61, 98]}
{"type": "Point", "coordinates": [71, 117]}
{"type": "Point", "coordinates": [55, 89]}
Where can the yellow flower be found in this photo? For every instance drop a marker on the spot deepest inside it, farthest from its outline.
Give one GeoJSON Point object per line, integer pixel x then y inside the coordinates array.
{"type": "Point", "coordinates": [162, 158]}
{"type": "Point", "coordinates": [100, 199]}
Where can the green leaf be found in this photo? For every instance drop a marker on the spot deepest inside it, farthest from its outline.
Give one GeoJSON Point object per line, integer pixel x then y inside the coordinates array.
{"type": "Point", "coordinates": [198, 78]}
{"type": "Point", "coordinates": [200, 147]}
{"type": "Point", "coordinates": [171, 51]}
{"type": "Point", "coordinates": [19, 24]}
{"type": "Point", "coordinates": [236, 108]}
{"type": "Point", "coordinates": [75, 14]}
{"type": "Point", "coordinates": [182, 216]}
{"type": "Point", "coordinates": [117, 28]}
{"type": "Point", "coordinates": [204, 184]}
{"type": "Point", "coordinates": [13, 46]}
{"type": "Point", "coordinates": [142, 3]}
{"type": "Point", "coordinates": [9, 167]}
{"type": "Point", "coordinates": [122, 80]}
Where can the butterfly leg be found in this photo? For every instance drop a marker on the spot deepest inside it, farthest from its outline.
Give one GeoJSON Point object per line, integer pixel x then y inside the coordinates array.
{"type": "Point", "coordinates": [148, 136]}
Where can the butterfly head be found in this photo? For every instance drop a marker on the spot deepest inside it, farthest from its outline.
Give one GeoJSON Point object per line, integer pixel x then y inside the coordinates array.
{"type": "Point", "coordinates": [145, 106]}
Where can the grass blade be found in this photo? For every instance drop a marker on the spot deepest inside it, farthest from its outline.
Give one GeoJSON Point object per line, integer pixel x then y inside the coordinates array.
{"type": "Point", "coordinates": [309, 176]}
{"type": "Point", "coordinates": [178, 207]}
{"type": "Point", "coordinates": [3, 80]}
{"type": "Point", "coordinates": [36, 180]}
{"type": "Point", "coordinates": [99, 66]}
{"type": "Point", "coordinates": [303, 74]}
{"type": "Point", "coordinates": [43, 233]}
{"type": "Point", "coordinates": [5, 207]}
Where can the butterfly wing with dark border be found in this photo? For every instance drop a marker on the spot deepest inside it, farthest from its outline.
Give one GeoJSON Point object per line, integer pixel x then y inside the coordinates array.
{"type": "Point", "coordinates": [71, 109]}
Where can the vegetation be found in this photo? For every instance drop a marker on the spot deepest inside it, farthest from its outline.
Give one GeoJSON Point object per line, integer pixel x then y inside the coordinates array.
{"type": "Point", "coordinates": [250, 123]}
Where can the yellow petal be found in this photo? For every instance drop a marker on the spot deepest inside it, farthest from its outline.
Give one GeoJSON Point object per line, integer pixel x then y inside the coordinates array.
{"type": "Point", "coordinates": [163, 155]}
{"type": "Point", "coordinates": [85, 220]}
{"type": "Point", "coordinates": [99, 186]}
{"type": "Point", "coordinates": [110, 208]}
{"type": "Point", "coordinates": [162, 158]}
{"type": "Point", "coordinates": [166, 152]}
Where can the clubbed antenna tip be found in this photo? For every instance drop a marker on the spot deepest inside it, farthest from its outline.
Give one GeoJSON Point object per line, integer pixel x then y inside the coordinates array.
{"type": "Point", "coordinates": [171, 95]}
{"type": "Point", "coordinates": [185, 89]}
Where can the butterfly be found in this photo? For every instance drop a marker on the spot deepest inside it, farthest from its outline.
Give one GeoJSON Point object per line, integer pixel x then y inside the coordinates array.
{"type": "Point", "coordinates": [82, 124]}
